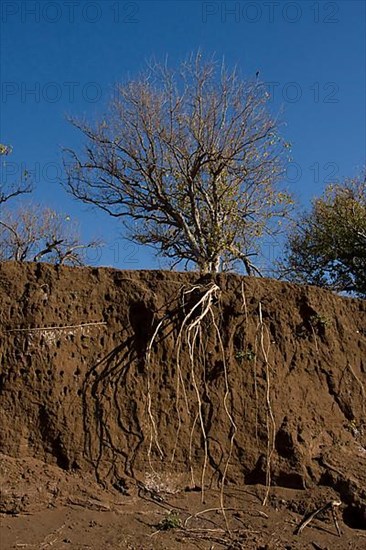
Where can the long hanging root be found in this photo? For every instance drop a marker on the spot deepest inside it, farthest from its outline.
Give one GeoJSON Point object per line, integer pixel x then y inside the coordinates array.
{"type": "Point", "coordinates": [190, 450]}
{"type": "Point", "coordinates": [153, 429]}
{"type": "Point", "coordinates": [230, 417]}
{"type": "Point", "coordinates": [255, 350]}
{"type": "Point", "coordinates": [256, 396]}
{"type": "Point", "coordinates": [271, 429]}
{"type": "Point", "coordinates": [191, 330]}
{"type": "Point", "coordinates": [180, 382]}
{"type": "Point", "coordinates": [191, 345]}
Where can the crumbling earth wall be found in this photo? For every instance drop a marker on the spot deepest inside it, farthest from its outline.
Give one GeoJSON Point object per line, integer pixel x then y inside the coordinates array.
{"type": "Point", "coordinates": [76, 389]}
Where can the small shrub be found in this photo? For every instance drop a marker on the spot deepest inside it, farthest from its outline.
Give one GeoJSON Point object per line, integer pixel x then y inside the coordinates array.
{"type": "Point", "coordinates": [247, 355]}
{"type": "Point", "coordinates": [319, 321]}
{"type": "Point", "coordinates": [171, 521]}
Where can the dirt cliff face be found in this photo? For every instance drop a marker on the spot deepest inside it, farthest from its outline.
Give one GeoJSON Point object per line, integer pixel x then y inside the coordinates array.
{"type": "Point", "coordinates": [184, 379]}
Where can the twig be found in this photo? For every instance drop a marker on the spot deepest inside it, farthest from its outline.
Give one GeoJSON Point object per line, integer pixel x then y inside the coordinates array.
{"type": "Point", "coordinates": [201, 512]}
{"type": "Point", "coordinates": [35, 329]}
{"type": "Point", "coordinates": [326, 464]}
{"type": "Point", "coordinates": [335, 519]}
{"type": "Point", "coordinates": [332, 505]}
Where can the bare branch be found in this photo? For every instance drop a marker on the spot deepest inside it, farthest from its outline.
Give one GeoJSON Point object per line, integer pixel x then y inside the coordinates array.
{"type": "Point", "coordinates": [33, 233]}
{"type": "Point", "coordinates": [191, 159]}
{"type": "Point", "coordinates": [12, 190]}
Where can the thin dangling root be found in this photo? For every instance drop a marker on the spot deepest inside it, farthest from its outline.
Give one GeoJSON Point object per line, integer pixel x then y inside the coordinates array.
{"type": "Point", "coordinates": [191, 332]}
{"type": "Point", "coordinates": [229, 415]}
{"type": "Point", "coordinates": [271, 430]}
{"type": "Point", "coordinates": [190, 450]}
{"type": "Point", "coordinates": [153, 429]}
{"type": "Point", "coordinates": [244, 302]}
{"type": "Point", "coordinates": [255, 350]}
{"type": "Point", "coordinates": [180, 381]}
{"type": "Point", "coordinates": [191, 344]}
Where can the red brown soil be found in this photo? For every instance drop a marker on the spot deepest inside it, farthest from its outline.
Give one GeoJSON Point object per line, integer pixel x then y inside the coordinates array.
{"type": "Point", "coordinates": [79, 468]}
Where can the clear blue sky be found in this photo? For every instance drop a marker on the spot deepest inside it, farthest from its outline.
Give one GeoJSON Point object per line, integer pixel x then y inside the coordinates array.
{"type": "Point", "coordinates": [63, 57]}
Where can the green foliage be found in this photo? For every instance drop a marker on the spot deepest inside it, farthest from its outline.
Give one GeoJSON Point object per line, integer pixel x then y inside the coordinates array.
{"type": "Point", "coordinates": [247, 355]}
{"type": "Point", "coordinates": [171, 521]}
{"type": "Point", "coordinates": [327, 247]}
{"type": "Point", "coordinates": [319, 321]}
{"type": "Point", "coordinates": [5, 149]}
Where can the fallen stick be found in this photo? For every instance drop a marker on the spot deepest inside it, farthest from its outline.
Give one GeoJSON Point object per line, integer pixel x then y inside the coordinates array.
{"type": "Point", "coordinates": [65, 327]}
{"type": "Point", "coordinates": [332, 505]}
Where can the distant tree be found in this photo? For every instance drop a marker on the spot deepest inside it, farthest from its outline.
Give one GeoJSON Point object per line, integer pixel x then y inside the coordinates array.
{"type": "Point", "coordinates": [190, 160]}
{"type": "Point", "coordinates": [327, 247]}
{"type": "Point", "coordinates": [9, 191]}
{"type": "Point", "coordinates": [35, 233]}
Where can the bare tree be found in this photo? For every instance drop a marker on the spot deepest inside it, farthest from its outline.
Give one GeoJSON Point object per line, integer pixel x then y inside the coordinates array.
{"type": "Point", "coordinates": [9, 191]}
{"type": "Point", "coordinates": [34, 233]}
{"type": "Point", "coordinates": [190, 161]}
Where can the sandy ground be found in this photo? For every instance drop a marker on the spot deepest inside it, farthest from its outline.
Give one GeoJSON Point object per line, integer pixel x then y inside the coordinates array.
{"type": "Point", "coordinates": [182, 521]}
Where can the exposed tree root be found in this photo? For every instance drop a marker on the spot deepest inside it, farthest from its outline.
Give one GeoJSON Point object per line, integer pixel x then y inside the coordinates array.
{"type": "Point", "coordinates": [190, 335]}
{"type": "Point", "coordinates": [271, 424]}
{"type": "Point", "coordinates": [153, 429]}
{"type": "Point", "coordinates": [229, 415]}
{"type": "Point", "coordinates": [192, 332]}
